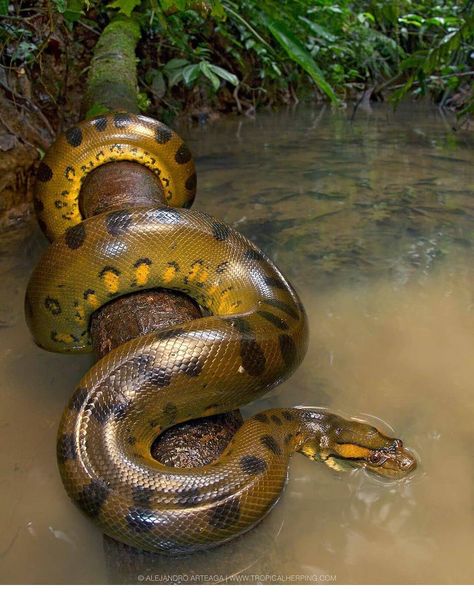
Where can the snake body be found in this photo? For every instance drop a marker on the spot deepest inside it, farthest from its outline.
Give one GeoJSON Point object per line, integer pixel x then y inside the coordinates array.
{"type": "Point", "coordinates": [253, 337]}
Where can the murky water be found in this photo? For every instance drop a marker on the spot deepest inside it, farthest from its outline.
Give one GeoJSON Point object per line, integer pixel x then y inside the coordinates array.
{"type": "Point", "coordinates": [373, 221]}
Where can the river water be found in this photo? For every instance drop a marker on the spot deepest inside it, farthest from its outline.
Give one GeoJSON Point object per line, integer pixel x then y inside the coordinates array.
{"type": "Point", "coordinates": [373, 222]}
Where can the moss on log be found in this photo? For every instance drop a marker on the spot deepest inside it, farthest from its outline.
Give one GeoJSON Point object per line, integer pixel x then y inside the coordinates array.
{"type": "Point", "coordinates": [112, 78]}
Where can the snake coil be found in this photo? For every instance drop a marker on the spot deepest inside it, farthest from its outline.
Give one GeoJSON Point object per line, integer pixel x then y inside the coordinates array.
{"type": "Point", "coordinates": [253, 338]}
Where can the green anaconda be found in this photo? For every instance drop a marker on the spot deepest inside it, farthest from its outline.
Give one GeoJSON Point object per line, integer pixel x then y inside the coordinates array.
{"type": "Point", "coordinates": [253, 337]}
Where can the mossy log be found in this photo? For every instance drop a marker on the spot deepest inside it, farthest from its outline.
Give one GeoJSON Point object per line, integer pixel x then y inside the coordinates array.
{"type": "Point", "coordinates": [112, 78]}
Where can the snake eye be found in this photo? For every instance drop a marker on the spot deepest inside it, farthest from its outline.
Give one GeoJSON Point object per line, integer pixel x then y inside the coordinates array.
{"type": "Point", "coordinates": [377, 458]}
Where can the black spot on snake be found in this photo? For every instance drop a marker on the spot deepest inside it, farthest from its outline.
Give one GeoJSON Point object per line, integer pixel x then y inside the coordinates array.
{"type": "Point", "coordinates": [100, 123]}
{"type": "Point", "coordinates": [109, 268]}
{"type": "Point", "coordinates": [131, 440]}
{"type": "Point", "coordinates": [142, 261]}
{"type": "Point", "coordinates": [253, 255]}
{"type": "Point", "coordinates": [284, 307]}
{"type": "Point", "coordinates": [163, 134]}
{"type": "Point", "coordinates": [277, 322]}
{"type": "Point", "coordinates": [189, 497]}
{"type": "Point", "coordinates": [275, 282]}
{"type": "Point", "coordinates": [276, 420]}
{"type": "Point", "coordinates": [225, 515]}
{"type": "Point", "coordinates": [288, 349]}
{"type": "Point", "coordinates": [66, 448]}
{"type": "Point", "coordinates": [270, 443]}
{"type": "Point", "coordinates": [54, 337]}
{"type": "Point", "coordinates": [288, 437]}
{"type": "Point", "coordinates": [116, 410]}
{"type": "Point", "coordinates": [287, 415]}
{"type": "Point", "coordinates": [242, 325]}
{"type": "Point", "coordinates": [159, 377]}
{"type": "Point", "coordinates": [38, 204]}
{"type": "Point", "coordinates": [92, 497]}
{"type": "Point", "coordinates": [117, 222]}
{"type": "Point", "coordinates": [52, 305]}
{"type": "Point", "coordinates": [75, 236]}
{"type": "Point", "coordinates": [78, 397]}
{"type": "Point", "coordinates": [253, 358]}
{"type": "Point", "coordinates": [220, 231]}
{"type": "Point", "coordinates": [253, 465]}
{"type": "Point", "coordinates": [191, 182]}
{"type": "Point", "coordinates": [44, 173]}
{"type": "Point", "coordinates": [69, 172]}
{"type": "Point", "coordinates": [142, 495]}
{"type": "Point", "coordinates": [183, 155]}
{"type": "Point", "coordinates": [193, 367]}
{"type": "Point", "coordinates": [88, 293]}
{"type": "Point", "coordinates": [122, 120]}
{"type": "Point", "coordinates": [261, 417]}
{"type": "Point", "coordinates": [74, 136]}
{"type": "Point", "coordinates": [140, 520]}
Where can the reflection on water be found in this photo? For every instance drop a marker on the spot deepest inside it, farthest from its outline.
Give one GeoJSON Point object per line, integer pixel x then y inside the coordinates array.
{"type": "Point", "coordinates": [373, 223]}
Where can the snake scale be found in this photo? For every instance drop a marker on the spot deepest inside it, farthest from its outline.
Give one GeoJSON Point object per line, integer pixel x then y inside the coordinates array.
{"type": "Point", "coordinates": [254, 335]}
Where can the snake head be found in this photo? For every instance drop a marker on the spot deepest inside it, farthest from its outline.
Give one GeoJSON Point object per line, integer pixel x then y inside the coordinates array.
{"type": "Point", "coordinates": [357, 444]}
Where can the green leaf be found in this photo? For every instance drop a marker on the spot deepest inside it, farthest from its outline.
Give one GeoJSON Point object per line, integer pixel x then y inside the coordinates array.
{"type": "Point", "coordinates": [191, 73]}
{"type": "Point", "coordinates": [158, 84]}
{"type": "Point", "coordinates": [59, 5]}
{"type": "Point", "coordinates": [224, 74]}
{"type": "Point", "coordinates": [125, 7]}
{"type": "Point", "coordinates": [174, 64]}
{"type": "Point", "coordinates": [209, 74]}
{"type": "Point", "coordinates": [299, 54]}
{"type": "Point", "coordinates": [318, 30]}
{"type": "Point", "coordinates": [174, 77]}
{"type": "Point", "coordinates": [411, 19]}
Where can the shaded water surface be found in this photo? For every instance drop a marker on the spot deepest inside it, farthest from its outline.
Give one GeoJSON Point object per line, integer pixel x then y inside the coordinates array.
{"type": "Point", "coordinates": [373, 223]}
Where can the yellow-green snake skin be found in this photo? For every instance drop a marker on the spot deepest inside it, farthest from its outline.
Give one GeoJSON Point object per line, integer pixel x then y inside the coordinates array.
{"type": "Point", "coordinates": [253, 338]}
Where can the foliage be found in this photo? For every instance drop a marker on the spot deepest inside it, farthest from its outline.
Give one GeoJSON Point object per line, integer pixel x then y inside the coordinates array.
{"type": "Point", "coordinates": [253, 52]}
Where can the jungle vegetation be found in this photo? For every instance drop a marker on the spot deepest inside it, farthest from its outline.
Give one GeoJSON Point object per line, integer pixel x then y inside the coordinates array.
{"type": "Point", "coordinates": [243, 54]}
